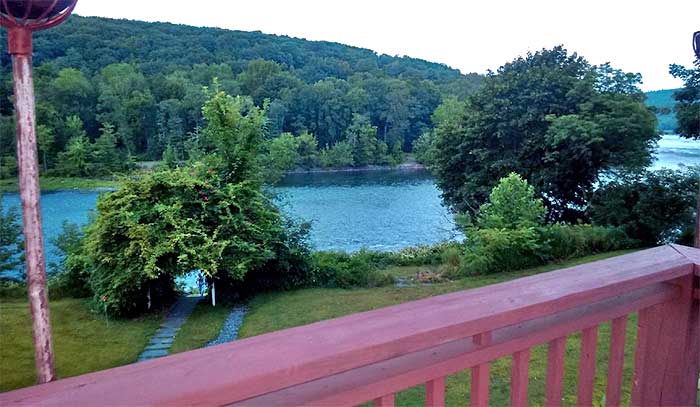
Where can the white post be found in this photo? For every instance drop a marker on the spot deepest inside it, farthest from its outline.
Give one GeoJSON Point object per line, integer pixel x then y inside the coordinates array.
{"type": "Point", "coordinates": [149, 298]}
{"type": "Point", "coordinates": [213, 293]}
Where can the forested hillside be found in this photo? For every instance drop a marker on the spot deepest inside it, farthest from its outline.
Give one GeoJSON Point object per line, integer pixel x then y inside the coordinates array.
{"type": "Point", "coordinates": [663, 103]}
{"type": "Point", "coordinates": [141, 86]}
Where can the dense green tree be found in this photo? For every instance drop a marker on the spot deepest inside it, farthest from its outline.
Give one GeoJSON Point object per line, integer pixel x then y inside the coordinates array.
{"type": "Point", "coordinates": [688, 100]}
{"type": "Point", "coordinates": [105, 157]}
{"type": "Point", "coordinates": [308, 150]}
{"type": "Point", "coordinates": [45, 142]}
{"type": "Point", "coordinates": [210, 215]}
{"type": "Point", "coordinates": [654, 207]}
{"type": "Point", "coordinates": [339, 155]}
{"type": "Point", "coordinates": [363, 138]}
{"type": "Point", "coordinates": [75, 160]}
{"type": "Point", "coordinates": [558, 121]}
{"type": "Point", "coordinates": [126, 101]}
{"type": "Point", "coordinates": [280, 155]}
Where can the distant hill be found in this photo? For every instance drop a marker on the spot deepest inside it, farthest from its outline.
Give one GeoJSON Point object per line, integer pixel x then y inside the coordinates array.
{"type": "Point", "coordinates": [663, 101]}
{"type": "Point", "coordinates": [155, 100]}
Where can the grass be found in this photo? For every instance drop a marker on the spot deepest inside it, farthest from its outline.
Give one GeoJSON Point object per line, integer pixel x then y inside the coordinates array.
{"type": "Point", "coordinates": [61, 183]}
{"type": "Point", "coordinates": [275, 311]}
{"type": "Point", "coordinates": [83, 341]}
{"type": "Point", "coordinates": [201, 327]}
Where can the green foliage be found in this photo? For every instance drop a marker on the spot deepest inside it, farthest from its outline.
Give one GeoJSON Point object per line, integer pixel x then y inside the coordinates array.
{"type": "Point", "coordinates": [345, 270]}
{"type": "Point", "coordinates": [570, 241]}
{"type": "Point", "coordinates": [11, 246]}
{"type": "Point", "coordinates": [74, 161]}
{"type": "Point", "coordinates": [338, 156]}
{"type": "Point", "coordinates": [307, 151]}
{"type": "Point", "coordinates": [70, 276]}
{"type": "Point", "coordinates": [147, 80]}
{"type": "Point", "coordinates": [106, 159]}
{"type": "Point", "coordinates": [688, 100]}
{"type": "Point", "coordinates": [653, 207]}
{"type": "Point", "coordinates": [210, 216]}
{"type": "Point", "coordinates": [512, 205]}
{"type": "Point", "coordinates": [509, 234]}
{"type": "Point", "coordinates": [281, 155]}
{"type": "Point", "coordinates": [553, 118]}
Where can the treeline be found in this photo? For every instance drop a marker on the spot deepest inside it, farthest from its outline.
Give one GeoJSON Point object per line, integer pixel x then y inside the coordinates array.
{"type": "Point", "coordinates": [147, 82]}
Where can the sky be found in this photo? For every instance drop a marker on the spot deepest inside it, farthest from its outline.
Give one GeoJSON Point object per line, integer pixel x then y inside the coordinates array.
{"type": "Point", "coordinates": [642, 36]}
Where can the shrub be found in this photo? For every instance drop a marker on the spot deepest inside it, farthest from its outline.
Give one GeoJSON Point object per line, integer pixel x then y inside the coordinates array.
{"type": "Point", "coordinates": [69, 277]}
{"type": "Point", "coordinates": [500, 250]}
{"type": "Point", "coordinates": [343, 270]}
{"type": "Point", "coordinates": [421, 255]}
{"type": "Point", "coordinates": [653, 207]}
{"type": "Point", "coordinates": [568, 241]}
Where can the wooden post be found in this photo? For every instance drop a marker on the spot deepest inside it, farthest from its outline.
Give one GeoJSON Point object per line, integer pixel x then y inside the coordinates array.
{"type": "Point", "coordinates": [664, 356]}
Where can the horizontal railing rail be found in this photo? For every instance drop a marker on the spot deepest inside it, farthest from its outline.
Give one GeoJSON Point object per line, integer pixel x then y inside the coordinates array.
{"type": "Point", "coordinates": [372, 355]}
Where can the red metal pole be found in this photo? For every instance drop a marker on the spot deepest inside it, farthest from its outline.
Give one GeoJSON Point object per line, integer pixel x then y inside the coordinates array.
{"type": "Point", "coordinates": [20, 40]}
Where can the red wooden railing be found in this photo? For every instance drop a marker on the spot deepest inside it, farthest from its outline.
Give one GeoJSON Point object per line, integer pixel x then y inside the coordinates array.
{"type": "Point", "coordinates": [372, 355]}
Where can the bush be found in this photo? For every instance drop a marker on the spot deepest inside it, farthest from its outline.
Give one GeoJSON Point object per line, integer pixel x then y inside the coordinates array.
{"type": "Point", "coordinates": [13, 289]}
{"type": "Point", "coordinates": [343, 270]}
{"type": "Point", "coordinates": [568, 241]}
{"type": "Point", "coordinates": [421, 255]}
{"type": "Point", "coordinates": [70, 276]}
{"type": "Point", "coordinates": [500, 250]}
{"type": "Point", "coordinates": [654, 207]}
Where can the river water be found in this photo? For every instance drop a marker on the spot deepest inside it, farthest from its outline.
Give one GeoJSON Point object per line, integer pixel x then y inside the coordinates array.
{"type": "Point", "coordinates": [379, 210]}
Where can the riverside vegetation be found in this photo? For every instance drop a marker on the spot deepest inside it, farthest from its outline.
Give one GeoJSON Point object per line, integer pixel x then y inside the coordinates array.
{"type": "Point", "coordinates": [529, 186]}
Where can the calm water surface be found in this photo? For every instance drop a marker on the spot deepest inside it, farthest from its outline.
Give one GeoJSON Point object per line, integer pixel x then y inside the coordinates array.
{"type": "Point", "coordinates": [379, 210]}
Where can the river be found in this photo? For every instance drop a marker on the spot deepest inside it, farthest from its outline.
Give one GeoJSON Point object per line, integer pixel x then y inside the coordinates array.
{"type": "Point", "coordinates": [379, 210]}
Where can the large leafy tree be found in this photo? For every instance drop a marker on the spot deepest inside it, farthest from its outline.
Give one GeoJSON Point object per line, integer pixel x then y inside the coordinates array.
{"type": "Point", "coordinates": [554, 119]}
{"type": "Point", "coordinates": [688, 100]}
{"type": "Point", "coordinates": [211, 215]}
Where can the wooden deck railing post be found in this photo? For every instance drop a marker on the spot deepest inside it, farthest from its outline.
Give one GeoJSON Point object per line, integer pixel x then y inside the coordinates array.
{"type": "Point", "coordinates": [665, 352]}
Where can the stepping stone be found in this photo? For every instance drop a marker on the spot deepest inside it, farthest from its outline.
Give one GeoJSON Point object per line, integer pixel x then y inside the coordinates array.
{"type": "Point", "coordinates": [150, 354]}
{"type": "Point", "coordinates": [161, 341]}
{"type": "Point", "coordinates": [158, 346]}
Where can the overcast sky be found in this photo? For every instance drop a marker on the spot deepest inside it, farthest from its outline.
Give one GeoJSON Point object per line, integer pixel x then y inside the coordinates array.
{"type": "Point", "coordinates": [640, 36]}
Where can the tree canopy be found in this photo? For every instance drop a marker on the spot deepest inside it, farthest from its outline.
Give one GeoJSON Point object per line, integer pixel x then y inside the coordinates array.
{"type": "Point", "coordinates": [688, 100]}
{"type": "Point", "coordinates": [147, 80]}
{"type": "Point", "coordinates": [553, 118]}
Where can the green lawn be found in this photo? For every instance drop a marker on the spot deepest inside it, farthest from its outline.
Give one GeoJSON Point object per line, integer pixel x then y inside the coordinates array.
{"type": "Point", "coordinates": [275, 311]}
{"type": "Point", "coordinates": [201, 327]}
{"type": "Point", "coordinates": [60, 183]}
{"type": "Point", "coordinates": [83, 341]}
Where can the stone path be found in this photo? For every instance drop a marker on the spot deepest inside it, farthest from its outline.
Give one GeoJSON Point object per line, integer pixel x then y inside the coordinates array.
{"type": "Point", "coordinates": [229, 332]}
{"type": "Point", "coordinates": [162, 340]}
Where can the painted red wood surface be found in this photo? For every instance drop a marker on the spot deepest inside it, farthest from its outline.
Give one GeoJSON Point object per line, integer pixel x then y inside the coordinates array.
{"type": "Point", "coordinates": [519, 378]}
{"type": "Point", "coordinates": [555, 372]}
{"type": "Point", "coordinates": [616, 360]}
{"type": "Point", "coordinates": [369, 355]}
{"type": "Point", "coordinates": [480, 374]}
{"type": "Point", "coordinates": [586, 371]}
{"type": "Point", "coordinates": [435, 392]}
{"type": "Point", "coordinates": [375, 380]}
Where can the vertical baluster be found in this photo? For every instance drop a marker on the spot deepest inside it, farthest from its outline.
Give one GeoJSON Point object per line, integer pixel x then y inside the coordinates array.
{"type": "Point", "coordinates": [664, 367]}
{"type": "Point", "coordinates": [586, 370]}
{"type": "Point", "coordinates": [480, 375]}
{"type": "Point", "coordinates": [384, 401]}
{"type": "Point", "coordinates": [435, 393]}
{"type": "Point", "coordinates": [616, 361]}
{"type": "Point", "coordinates": [519, 378]}
{"type": "Point", "coordinates": [555, 372]}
